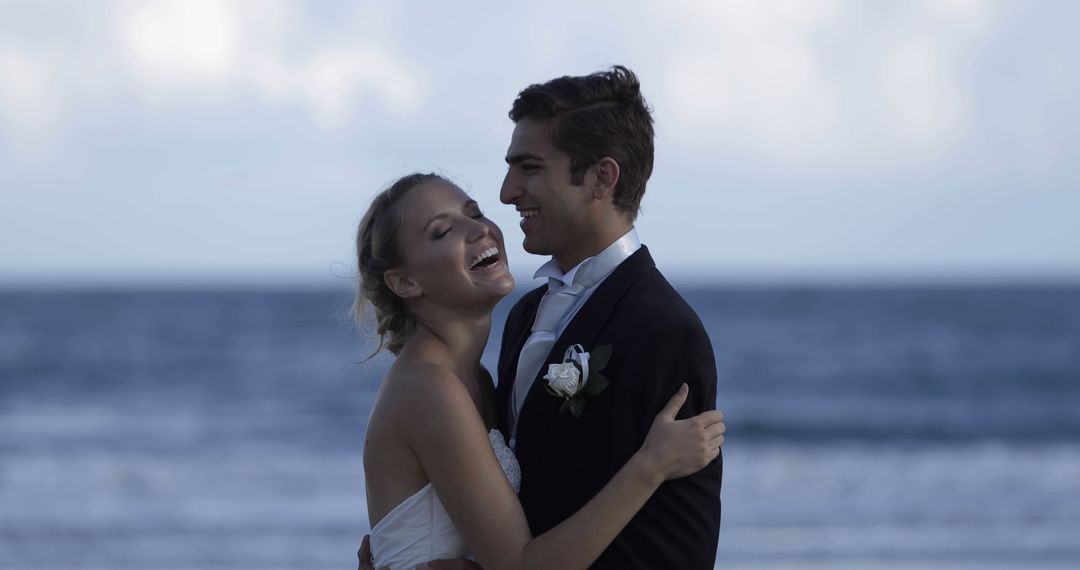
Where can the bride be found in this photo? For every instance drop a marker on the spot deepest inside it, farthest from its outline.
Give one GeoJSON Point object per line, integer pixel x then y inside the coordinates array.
{"type": "Point", "coordinates": [441, 482]}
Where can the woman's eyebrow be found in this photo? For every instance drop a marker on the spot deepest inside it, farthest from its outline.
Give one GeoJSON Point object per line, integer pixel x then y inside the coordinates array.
{"type": "Point", "coordinates": [445, 214]}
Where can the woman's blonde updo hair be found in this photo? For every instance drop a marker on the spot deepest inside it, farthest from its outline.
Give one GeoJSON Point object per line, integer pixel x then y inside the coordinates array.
{"type": "Point", "coordinates": [377, 251]}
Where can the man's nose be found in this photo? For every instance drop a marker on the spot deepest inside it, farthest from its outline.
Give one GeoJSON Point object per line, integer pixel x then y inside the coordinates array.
{"type": "Point", "coordinates": [510, 190]}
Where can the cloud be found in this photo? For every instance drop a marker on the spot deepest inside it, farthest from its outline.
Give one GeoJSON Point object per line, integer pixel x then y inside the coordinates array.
{"type": "Point", "coordinates": [751, 70]}
{"type": "Point", "coordinates": [28, 102]}
{"type": "Point", "coordinates": [223, 44]}
{"type": "Point", "coordinates": [824, 80]}
{"type": "Point", "coordinates": [918, 96]}
{"type": "Point", "coordinates": [330, 82]}
{"type": "Point", "coordinates": [178, 41]}
{"type": "Point", "coordinates": [168, 52]}
{"type": "Point", "coordinates": [789, 79]}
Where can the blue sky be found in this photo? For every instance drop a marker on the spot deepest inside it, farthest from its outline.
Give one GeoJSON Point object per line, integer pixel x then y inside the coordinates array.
{"type": "Point", "coordinates": [222, 141]}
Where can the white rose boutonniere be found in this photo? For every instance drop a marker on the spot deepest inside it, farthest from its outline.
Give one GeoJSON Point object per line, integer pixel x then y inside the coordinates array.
{"type": "Point", "coordinates": [563, 379]}
{"type": "Point", "coordinates": [577, 377]}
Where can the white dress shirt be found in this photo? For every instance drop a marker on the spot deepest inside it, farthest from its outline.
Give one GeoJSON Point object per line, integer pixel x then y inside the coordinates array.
{"type": "Point", "coordinates": [610, 258]}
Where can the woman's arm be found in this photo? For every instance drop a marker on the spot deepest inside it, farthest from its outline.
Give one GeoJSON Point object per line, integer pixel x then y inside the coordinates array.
{"type": "Point", "coordinates": [452, 444]}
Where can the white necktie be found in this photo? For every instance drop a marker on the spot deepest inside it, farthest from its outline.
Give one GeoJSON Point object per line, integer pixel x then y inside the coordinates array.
{"type": "Point", "coordinates": [553, 307]}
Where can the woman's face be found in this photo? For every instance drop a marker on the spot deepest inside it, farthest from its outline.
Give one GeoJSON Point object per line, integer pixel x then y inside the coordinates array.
{"type": "Point", "coordinates": [450, 250]}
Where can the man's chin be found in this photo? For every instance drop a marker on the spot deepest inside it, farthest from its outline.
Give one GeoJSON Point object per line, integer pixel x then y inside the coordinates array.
{"type": "Point", "coordinates": [536, 246]}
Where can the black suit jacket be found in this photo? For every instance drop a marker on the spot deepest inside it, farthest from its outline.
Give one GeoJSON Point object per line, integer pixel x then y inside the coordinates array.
{"type": "Point", "coordinates": [658, 342]}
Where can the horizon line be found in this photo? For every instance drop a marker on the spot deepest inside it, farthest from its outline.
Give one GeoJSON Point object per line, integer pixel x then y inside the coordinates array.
{"type": "Point", "coordinates": [714, 279]}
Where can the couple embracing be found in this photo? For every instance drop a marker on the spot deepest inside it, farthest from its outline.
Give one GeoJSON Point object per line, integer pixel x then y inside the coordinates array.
{"type": "Point", "coordinates": [600, 445]}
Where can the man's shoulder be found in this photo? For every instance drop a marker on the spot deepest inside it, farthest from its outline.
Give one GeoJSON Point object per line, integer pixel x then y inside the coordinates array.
{"type": "Point", "coordinates": [653, 300]}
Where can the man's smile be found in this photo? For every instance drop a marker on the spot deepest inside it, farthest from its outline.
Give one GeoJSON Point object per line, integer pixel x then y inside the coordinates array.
{"type": "Point", "coordinates": [526, 214]}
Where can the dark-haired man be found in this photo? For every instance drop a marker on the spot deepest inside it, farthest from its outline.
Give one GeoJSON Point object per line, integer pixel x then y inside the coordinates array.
{"type": "Point", "coordinates": [579, 159]}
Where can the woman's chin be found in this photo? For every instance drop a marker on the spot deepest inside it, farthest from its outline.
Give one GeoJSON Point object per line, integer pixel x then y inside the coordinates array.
{"type": "Point", "coordinates": [499, 288]}
{"type": "Point", "coordinates": [479, 291]}
{"type": "Point", "coordinates": [495, 278]}
{"type": "Point", "coordinates": [507, 286]}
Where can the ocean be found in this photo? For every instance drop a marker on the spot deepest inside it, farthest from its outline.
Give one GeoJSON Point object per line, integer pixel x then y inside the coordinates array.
{"type": "Point", "coordinates": [867, 427]}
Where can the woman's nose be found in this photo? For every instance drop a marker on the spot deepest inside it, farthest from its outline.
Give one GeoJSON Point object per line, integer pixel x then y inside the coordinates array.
{"type": "Point", "coordinates": [478, 230]}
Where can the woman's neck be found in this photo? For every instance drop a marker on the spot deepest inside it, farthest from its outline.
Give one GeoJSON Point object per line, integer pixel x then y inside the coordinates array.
{"type": "Point", "coordinates": [462, 340]}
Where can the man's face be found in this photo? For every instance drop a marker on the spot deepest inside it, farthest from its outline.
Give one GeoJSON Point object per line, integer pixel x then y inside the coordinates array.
{"type": "Point", "coordinates": [555, 214]}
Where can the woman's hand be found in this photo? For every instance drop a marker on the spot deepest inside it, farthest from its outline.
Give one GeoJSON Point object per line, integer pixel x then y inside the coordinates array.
{"type": "Point", "coordinates": [677, 448]}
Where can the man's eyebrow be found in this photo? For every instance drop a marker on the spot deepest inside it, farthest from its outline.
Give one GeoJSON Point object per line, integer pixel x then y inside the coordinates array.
{"type": "Point", "coordinates": [468, 204]}
{"type": "Point", "coordinates": [516, 158]}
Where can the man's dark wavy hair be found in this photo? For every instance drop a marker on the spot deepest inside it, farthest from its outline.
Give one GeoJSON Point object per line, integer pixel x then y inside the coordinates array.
{"type": "Point", "coordinates": [593, 116]}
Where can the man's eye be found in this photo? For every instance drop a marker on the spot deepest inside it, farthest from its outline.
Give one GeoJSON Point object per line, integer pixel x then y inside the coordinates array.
{"type": "Point", "coordinates": [529, 167]}
{"type": "Point", "coordinates": [477, 215]}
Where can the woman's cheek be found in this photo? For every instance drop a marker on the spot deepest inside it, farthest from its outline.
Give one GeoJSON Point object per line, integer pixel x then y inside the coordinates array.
{"type": "Point", "coordinates": [442, 256]}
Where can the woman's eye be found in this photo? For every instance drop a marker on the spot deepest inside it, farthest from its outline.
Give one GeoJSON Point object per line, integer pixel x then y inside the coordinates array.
{"type": "Point", "coordinates": [441, 234]}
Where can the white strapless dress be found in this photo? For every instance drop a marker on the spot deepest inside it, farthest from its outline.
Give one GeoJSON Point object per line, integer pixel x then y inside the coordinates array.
{"type": "Point", "coordinates": [419, 529]}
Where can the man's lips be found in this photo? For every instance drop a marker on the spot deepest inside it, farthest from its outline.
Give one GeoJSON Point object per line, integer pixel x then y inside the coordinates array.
{"type": "Point", "coordinates": [527, 214]}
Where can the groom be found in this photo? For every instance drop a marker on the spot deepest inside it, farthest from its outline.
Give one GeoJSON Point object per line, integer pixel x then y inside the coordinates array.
{"type": "Point", "coordinates": [579, 159]}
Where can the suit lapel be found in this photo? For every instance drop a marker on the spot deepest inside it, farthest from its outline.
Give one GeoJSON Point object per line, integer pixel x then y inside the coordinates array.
{"type": "Point", "coordinates": [540, 407]}
{"type": "Point", "coordinates": [516, 335]}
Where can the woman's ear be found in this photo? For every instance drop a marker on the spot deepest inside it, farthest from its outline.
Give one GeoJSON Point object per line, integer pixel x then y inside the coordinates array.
{"type": "Point", "coordinates": [606, 171]}
{"type": "Point", "coordinates": [401, 284]}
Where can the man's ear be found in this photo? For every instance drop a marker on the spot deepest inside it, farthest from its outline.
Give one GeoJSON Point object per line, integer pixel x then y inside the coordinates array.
{"type": "Point", "coordinates": [401, 284]}
{"type": "Point", "coordinates": [606, 172]}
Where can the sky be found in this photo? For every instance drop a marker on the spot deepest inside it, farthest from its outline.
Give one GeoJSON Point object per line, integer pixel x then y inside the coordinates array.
{"type": "Point", "coordinates": [201, 142]}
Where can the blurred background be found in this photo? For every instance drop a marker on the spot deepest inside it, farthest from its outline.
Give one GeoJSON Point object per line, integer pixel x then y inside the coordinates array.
{"type": "Point", "coordinates": [872, 206]}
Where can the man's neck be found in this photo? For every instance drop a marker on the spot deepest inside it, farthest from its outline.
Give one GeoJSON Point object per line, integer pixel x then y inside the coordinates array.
{"type": "Point", "coordinates": [590, 246]}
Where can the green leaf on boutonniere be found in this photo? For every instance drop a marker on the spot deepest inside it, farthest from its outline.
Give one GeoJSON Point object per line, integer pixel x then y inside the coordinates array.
{"type": "Point", "coordinates": [599, 357]}
{"type": "Point", "coordinates": [597, 383]}
{"type": "Point", "coordinates": [565, 405]}
{"type": "Point", "coordinates": [577, 405]}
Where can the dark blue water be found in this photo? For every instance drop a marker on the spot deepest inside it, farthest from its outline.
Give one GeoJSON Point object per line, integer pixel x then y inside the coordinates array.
{"type": "Point", "coordinates": [223, 429]}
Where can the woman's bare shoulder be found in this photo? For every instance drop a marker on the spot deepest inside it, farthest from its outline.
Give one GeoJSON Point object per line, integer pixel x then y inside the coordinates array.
{"type": "Point", "coordinates": [428, 387]}
{"type": "Point", "coordinates": [414, 375]}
